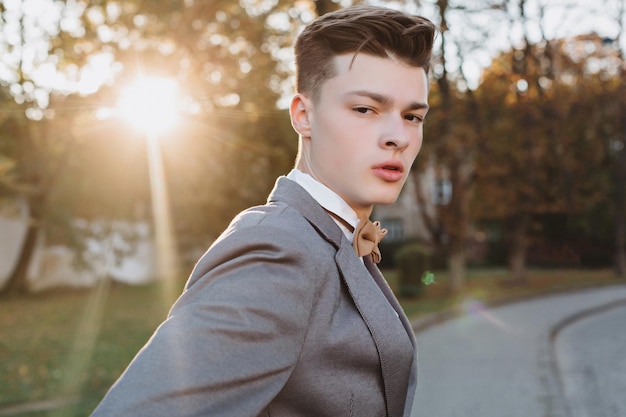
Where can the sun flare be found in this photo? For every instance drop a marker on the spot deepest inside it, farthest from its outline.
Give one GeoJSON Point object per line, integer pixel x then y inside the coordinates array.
{"type": "Point", "coordinates": [150, 104]}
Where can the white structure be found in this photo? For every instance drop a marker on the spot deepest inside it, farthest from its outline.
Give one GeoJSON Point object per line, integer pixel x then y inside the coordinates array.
{"type": "Point", "coordinates": [404, 219]}
{"type": "Point", "coordinates": [12, 232]}
{"type": "Point", "coordinates": [54, 266]}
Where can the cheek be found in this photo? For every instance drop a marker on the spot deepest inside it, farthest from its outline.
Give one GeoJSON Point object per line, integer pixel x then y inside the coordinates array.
{"type": "Point", "coordinates": [335, 139]}
{"type": "Point", "coordinates": [419, 147]}
{"type": "Point", "coordinates": [326, 152]}
{"type": "Point", "coordinates": [415, 146]}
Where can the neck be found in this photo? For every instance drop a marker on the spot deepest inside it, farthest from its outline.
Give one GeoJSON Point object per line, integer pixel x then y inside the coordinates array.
{"type": "Point", "coordinates": [303, 165]}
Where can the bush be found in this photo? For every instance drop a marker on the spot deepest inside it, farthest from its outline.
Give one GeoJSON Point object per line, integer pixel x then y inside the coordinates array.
{"type": "Point", "coordinates": [412, 260]}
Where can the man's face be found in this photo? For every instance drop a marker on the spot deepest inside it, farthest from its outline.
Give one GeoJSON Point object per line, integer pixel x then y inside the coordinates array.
{"type": "Point", "coordinates": [364, 131]}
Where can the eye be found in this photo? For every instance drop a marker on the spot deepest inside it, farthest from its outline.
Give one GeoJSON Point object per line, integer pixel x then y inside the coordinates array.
{"type": "Point", "coordinates": [414, 118]}
{"type": "Point", "coordinates": [363, 110]}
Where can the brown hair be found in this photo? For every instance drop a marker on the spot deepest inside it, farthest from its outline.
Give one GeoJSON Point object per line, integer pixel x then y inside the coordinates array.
{"type": "Point", "coordinates": [372, 30]}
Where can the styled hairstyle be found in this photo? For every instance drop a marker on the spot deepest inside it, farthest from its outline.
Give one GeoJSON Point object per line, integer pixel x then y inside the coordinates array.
{"type": "Point", "coordinates": [372, 30]}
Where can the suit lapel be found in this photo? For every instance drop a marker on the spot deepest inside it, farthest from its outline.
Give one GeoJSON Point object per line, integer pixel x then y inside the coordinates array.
{"type": "Point", "coordinates": [289, 192]}
{"type": "Point", "coordinates": [383, 324]}
{"type": "Point", "coordinates": [384, 286]}
{"type": "Point", "coordinates": [382, 283]}
{"type": "Point", "coordinates": [371, 295]}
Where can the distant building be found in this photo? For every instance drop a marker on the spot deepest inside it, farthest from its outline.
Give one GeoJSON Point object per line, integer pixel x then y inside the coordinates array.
{"type": "Point", "coordinates": [54, 266]}
{"type": "Point", "coordinates": [404, 219]}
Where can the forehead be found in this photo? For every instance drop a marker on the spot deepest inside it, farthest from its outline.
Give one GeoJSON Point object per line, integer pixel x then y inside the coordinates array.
{"type": "Point", "coordinates": [386, 76]}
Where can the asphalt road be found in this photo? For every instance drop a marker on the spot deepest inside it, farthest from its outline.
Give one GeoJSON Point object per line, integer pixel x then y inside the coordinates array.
{"type": "Point", "coordinates": [525, 359]}
{"type": "Point", "coordinates": [591, 357]}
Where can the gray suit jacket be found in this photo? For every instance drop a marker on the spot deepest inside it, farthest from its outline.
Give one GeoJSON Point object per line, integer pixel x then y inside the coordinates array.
{"type": "Point", "coordinates": [279, 318]}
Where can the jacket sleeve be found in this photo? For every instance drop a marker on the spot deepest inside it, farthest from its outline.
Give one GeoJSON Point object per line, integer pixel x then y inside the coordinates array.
{"type": "Point", "coordinates": [233, 337]}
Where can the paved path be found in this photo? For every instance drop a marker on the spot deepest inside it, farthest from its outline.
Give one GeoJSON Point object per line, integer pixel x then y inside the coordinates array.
{"type": "Point", "coordinates": [591, 357]}
{"type": "Point", "coordinates": [501, 362]}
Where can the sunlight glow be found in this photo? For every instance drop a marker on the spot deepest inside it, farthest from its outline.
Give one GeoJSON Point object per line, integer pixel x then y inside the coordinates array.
{"type": "Point", "coordinates": [165, 240]}
{"type": "Point", "coordinates": [150, 104]}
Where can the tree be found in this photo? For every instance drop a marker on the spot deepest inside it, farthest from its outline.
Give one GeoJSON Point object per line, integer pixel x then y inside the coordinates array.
{"type": "Point", "coordinates": [453, 133]}
{"type": "Point", "coordinates": [502, 144]}
{"type": "Point", "coordinates": [617, 147]}
{"type": "Point", "coordinates": [541, 128]}
{"type": "Point", "coordinates": [227, 60]}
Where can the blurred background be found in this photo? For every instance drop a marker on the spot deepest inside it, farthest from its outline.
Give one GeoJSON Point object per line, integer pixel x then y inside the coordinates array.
{"type": "Point", "coordinates": [131, 132]}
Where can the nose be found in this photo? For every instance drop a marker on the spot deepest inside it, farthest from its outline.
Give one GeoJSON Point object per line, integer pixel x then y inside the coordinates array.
{"type": "Point", "coordinates": [395, 134]}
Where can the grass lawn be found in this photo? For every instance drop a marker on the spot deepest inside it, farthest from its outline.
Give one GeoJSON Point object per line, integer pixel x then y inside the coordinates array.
{"type": "Point", "coordinates": [69, 347]}
{"type": "Point", "coordinates": [60, 351]}
{"type": "Point", "coordinates": [489, 286]}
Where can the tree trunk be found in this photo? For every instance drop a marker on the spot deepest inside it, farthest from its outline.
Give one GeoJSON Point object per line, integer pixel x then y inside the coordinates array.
{"type": "Point", "coordinates": [18, 279]}
{"type": "Point", "coordinates": [430, 220]}
{"type": "Point", "coordinates": [456, 269]}
{"type": "Point", "coordinates": [518, 251]}
{"type": "Point", "coordinates": [620, 158]}
{"type": "Point", "coordinates": [620, 255]}
{"type": "Point", "coordinates": [517, 266]}
{"type": "Point", "coordinates": [457, 219]}
{"type": "Point", "coordinates": [620, 214]}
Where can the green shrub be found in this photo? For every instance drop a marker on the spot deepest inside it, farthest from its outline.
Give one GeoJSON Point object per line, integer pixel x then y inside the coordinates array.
{"type": "Point", "coordinates": [412, 260]}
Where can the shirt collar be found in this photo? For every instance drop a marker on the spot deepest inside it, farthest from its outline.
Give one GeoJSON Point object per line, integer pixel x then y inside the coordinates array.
{"type": "Point", "coordinates": [328, 199]}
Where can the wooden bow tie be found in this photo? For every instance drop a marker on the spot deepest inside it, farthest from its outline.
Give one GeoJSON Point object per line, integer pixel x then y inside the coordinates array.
{"type": "Point", "coordinates": [367, 235]}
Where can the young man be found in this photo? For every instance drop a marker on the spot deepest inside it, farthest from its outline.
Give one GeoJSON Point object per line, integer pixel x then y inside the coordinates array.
{"type": "Point", "coordinates": [281, 316]}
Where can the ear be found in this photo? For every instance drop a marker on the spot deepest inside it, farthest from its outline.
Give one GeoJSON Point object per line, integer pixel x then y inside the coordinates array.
{"type": "Point", "coordinates": [300, 113]}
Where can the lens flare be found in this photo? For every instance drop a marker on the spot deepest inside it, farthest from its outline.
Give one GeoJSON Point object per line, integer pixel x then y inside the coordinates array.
{"type": "Point", "coordinates": [150, 104]}
{"type": "Point", "coordinates": [472, 307]}
{"type": "Point", "coordinates": [165, 242]}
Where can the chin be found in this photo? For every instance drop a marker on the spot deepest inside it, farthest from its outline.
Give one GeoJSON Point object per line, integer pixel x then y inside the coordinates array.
{"type": "Point", "coordinates": [386, 200]}
{"type": "Point", "coordinates": [385, 195]}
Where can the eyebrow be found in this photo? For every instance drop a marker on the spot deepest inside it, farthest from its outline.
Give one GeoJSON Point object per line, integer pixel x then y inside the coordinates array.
{"type": "Point", "coordinates": [386, 100]}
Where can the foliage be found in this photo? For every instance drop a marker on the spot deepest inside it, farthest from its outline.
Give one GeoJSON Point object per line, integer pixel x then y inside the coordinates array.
{"type": "Point", "coordinates": [545, 138]}
{"type": "Point", "coordinates": [529, 140]}
{"type": "Point", "coordinates": [224, 157]}
{"type": "Point", "coordinates": [225, 59]}
{"type": "Point", "coordinates": [449, 152]}
{"type": "Point", "coordinates": [412, 261]}
{"type": "Point", "coordinates": [532, 161]}
{"type": "Point", "coordinates": [488, 287]}
{"type": "Point", "coordinates": [538, 136]}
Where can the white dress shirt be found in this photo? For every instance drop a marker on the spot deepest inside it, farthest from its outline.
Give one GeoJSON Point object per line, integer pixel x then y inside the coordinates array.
{"type": "Point", "coordinates": [328, 199]}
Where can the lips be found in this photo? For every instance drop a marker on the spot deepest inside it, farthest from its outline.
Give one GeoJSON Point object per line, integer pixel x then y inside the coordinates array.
{"type": "Point", "coordinates": [389, 170]}
{"type": "Point", "coordinates": [391, 167]}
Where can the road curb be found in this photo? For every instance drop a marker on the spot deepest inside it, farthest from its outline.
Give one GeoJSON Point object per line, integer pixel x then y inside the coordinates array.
{"type": "Point", "coordinates": [423, 323]}
{"type": "Point", "coordinates": [564, 323]}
